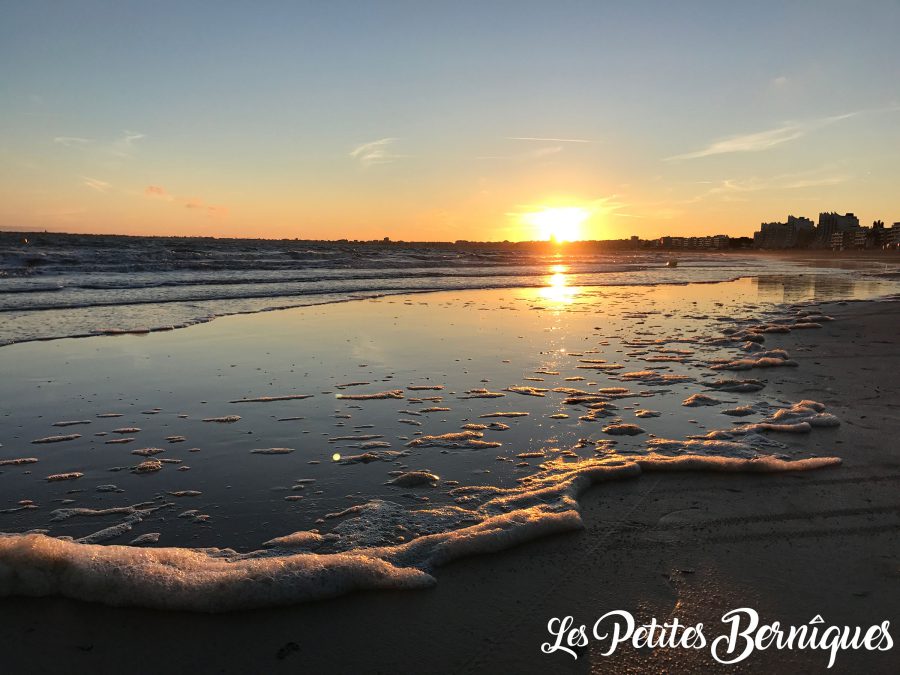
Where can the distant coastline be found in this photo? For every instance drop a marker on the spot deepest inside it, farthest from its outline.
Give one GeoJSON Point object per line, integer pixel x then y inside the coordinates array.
{"type": "Point", "coordinates": [743, 245]}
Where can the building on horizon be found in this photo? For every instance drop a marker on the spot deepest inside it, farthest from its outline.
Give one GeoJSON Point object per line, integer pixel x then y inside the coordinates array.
{"type": "Point", "coordinates": [860, 238]}
{"type": "Point", "coordinates": [892, 236]}
{"type": "Point", "coordinates": [831, 223]}
{"type": "Point", "coordinates": [718, 241]}
{"type": "Point", "coordinates": [797, 232]}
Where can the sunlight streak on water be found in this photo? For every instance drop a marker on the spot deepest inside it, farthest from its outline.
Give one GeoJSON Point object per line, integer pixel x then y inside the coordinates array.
{"type": "Point", "coordinates": [557, 288]}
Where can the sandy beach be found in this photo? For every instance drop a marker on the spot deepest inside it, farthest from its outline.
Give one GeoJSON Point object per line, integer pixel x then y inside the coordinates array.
{"type": "Point", "coordinates": [688, 545]}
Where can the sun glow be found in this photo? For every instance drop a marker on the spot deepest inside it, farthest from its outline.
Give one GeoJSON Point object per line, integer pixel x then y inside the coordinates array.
{"type": "Point", "coordinates": [561, 223]}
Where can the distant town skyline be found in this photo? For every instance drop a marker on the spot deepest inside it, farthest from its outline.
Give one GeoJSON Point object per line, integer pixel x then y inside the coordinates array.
{"type": "Point", "coordinates": [479, 121]}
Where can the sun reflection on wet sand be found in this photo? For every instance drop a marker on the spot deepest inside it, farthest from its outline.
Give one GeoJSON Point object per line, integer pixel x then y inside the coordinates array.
{"type": "Point", "coordinates": [557, 288]}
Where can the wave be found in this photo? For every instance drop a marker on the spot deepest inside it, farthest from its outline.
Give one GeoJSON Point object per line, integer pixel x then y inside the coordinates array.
{"type": "Point", "coordinates": [80, 296]}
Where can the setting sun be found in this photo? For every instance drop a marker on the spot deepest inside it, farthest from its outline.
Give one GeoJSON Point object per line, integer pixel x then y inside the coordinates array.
{"type": "Point", "coordinates": [559, 223]}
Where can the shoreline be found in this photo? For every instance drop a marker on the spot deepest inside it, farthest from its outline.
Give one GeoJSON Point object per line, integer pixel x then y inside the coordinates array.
{"type": "Point", "coordinates": [647, 547]}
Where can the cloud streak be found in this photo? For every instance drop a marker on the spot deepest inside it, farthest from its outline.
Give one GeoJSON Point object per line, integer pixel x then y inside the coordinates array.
{"type": "Point", "coordinates": [734, 190]}
{"type": "Point", "coordinates": [72, 141]}
{"type": "Point", "coordinates": [209, 209]}
{"type": "Point", "coordinates": [762, 140]}
{"type": "Point", "coordinates": [125, 144]}
{"type": "Point", "coordinates": [531, 154]}
{"type": "Point", "coordinates": [157, 192]}
{"type": "Point", "coordinates": [95, 184]}
{"type": "Point", "coordinates": [121, 146]}
{"type": "Point", "coordinates": [548, 140]}
{"type": "Point", "coordinates": [192, 203]}
{"type": "Point", "coordinates": [375, 152]}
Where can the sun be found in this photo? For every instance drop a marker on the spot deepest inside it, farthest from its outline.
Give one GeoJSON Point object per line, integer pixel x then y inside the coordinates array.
{"type": "Point", "coordinates": [562, 223]}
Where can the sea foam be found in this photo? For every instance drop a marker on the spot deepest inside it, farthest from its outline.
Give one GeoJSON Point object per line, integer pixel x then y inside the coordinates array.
{"type": "Point", "coordinates": [216, 580]}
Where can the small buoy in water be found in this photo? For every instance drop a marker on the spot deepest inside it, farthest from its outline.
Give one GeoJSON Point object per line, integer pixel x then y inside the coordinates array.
{"type": "Point", "coordinates": [24, 241]}
{"type": "Point", "coordinates": [672, 263]}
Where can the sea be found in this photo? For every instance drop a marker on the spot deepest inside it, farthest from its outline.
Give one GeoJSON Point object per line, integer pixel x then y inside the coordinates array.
{"type": "Point", "coordinates": [60, 285]}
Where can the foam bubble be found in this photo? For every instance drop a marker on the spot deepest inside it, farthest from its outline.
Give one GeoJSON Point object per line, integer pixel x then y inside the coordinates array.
{"type": "Point", "coordinates": [527, 391]}
{"type": "Point", "coordinates": [71, 475]}
{"type": "Point", "coordinates": [57, 439]}
{"type": "Point", "coordinates": [18, 461]}
{"type": "Point", "coordinates": [623, 429]}
{"type": "Point", "coordinates": [414, 479]}
{"type": "Point", "coordinates": [774, 358]}
{"type": "Point", "coordinates": [739, 411]}
{"type": "Point", "coordinates": [742, 386]}
{"type": "Point", "coordinates": [481, 393]}
{"type": "Point", "coordinates": [695, 400]}
{"type": "Point", "coordinates": [654, 377]}
{"type": "Point", "coordinates": [358, 437]}
{"type": "Point", "coordinates": [147, 452]}
{"type": "Point", "coordinates": [297, 540]}
{"type": "Point", "coordinates": [370, 456]}
{"type": "Point", "coordinates": [148, 538]}
{"type": "Point", "coordinates": [269, 399]}
{"type": "Point", "coordinates": [393, 393]}
{"type": "Point", "coordinates": [455, 439]}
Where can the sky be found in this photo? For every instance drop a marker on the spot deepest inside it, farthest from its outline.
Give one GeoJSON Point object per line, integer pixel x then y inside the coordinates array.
{"type": "Point", "coordinates": [445, 120]}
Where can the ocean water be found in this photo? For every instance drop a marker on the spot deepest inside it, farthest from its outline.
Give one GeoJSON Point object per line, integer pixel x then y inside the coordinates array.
{"type": "Point", "coordinates": [66, 286]}
{"type": "Point", "coordinates": [301, 454]}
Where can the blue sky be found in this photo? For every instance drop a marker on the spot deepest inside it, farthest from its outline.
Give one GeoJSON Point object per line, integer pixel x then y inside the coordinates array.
{"type": "Point", "coordinates": [445, 120]}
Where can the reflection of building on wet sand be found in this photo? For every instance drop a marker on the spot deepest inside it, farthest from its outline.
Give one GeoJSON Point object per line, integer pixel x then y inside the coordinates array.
{"type": "Point", "coordinates": [793, 288]}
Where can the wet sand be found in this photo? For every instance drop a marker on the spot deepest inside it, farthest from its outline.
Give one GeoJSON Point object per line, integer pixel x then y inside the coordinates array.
{"type": "Point", "coordinates": [688, 545]}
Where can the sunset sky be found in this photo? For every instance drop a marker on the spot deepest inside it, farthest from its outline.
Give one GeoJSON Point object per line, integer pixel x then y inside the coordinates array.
{"type": "Point", "coordinates": [441, 121]}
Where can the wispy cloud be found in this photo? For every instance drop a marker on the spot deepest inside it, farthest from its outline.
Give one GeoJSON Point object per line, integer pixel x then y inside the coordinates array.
{"type": "Point", "coordinates": [764, 140]}
{"type": "Point", "coordinates": [94, 184]}
{"type": "Point", "coordinates": [531, 154]}
{"type": "Point", "coordinates": [209, 209]}
{"type": "Point", "coordinates": [376, 152]}
{"type": "Point", "coordinates": [157, 192]}
{"type": "Point", "coordinates": [736, 189]}
{"type": "Point", "coordinates": [121, 146]}
{"type": "Point", "coordinates": [124, 145]}
{"type": "Point", "coordinates": [548, 140]}
{"type": "Point", "coordinates": [70, 141]}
